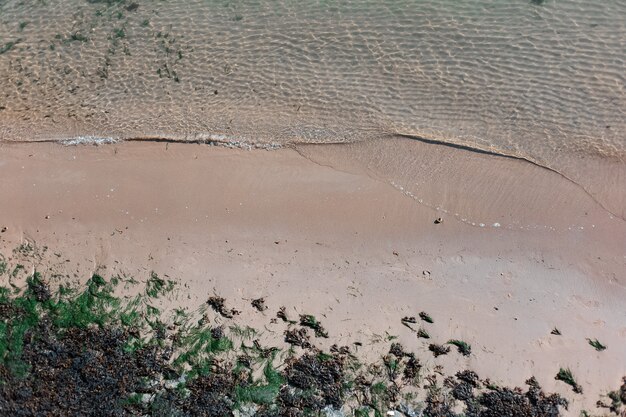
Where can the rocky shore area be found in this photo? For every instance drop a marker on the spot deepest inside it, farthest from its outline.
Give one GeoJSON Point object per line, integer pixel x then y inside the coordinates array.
{"type": "Point", "coordinates": [88, 351]}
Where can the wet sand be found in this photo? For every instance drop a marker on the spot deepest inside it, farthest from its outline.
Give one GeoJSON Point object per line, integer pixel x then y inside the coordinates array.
{"type": "Point", "coordinates": [343, 244]}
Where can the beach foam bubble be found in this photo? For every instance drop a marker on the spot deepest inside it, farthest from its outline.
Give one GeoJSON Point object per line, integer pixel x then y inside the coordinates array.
{"type": "Point", "coordinates": [89, 140]}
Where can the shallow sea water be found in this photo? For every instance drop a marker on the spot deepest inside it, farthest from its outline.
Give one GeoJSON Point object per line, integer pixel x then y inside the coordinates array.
{"type": "Point", "coordinates": [540, 80]}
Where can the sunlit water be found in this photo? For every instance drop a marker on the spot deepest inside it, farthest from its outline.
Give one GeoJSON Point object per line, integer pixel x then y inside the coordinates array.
{"type": "Point", "coordinates": [543, 80]}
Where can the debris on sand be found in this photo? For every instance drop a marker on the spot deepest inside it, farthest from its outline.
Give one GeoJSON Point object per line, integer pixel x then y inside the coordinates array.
{"type": "Point", "coordinates": [397, 350]}
{"type": "Point", "coordinates": [411, 369]}
{"type": "Point", "coordinates": [315, 382]}
{"type": "Point", "coordinates": [282, 314]}
{"type": "Point", "coordinates": [259, 304]}
{"type": "Point", "coordinates": [298, 337]}
{"type": "Point", "coordinates": [311, 322]}
{"type": "Point", "coordinates": [464, 348]}
{"type": "Point", "coordinates": [344, 350]}
{"type": "Point", "coordinates": [264, 352]}
{"type": "Point", "coordinates": [408, 320]}
{"type": "Point", "coordinates": [470, 377]}
{"type": "Point", "coordinates": [426, 317]}
{"type": "Point", "coordinates": [438, 350]}
{"type": "Point", "coordinates": [596, 345]}
{"type": "Point", "coordinates": [618, 400]}
{"type": "Point", "coordinates": [219, 305]}
{"type": "Point", "coordinates": [507, 402]}
{"type": "Point", "coordinates": [566, 376]}
{"type": "Point", "coordinates": [86, 352]}
{"type": "Point", "coordinates": [422, 333]}
{"type": "Point", "coordinates": [438, 220]}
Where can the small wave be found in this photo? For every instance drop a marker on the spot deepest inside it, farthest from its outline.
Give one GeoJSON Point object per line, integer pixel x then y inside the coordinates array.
{"type": "Point", "coordinates": [223, 140]}
{"type": "Point", "coordinates": [207, 139]}
{"type": "Point", "coordinates": [89, 140]}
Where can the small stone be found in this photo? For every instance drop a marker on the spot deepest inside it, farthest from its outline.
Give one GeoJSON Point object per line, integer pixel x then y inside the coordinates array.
{"type": "Point", "coordinates": [439, 220]}
{"type": "Point", "coordinates": [47, 217]}
{"type": "Point", "coordinates": [4, 229]}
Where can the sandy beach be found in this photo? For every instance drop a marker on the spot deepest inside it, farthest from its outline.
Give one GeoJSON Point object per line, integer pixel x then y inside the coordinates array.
{"type": "Point", "coordinates": [338, 238]}
{"type": "Point", "coordinates": [312, 209]}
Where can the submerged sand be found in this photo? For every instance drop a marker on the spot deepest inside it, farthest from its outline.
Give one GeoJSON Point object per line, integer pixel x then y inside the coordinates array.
{"type": "Point", "coordinates": [536, 79]}
{"type": "Point", "coordinates": [348, 245]}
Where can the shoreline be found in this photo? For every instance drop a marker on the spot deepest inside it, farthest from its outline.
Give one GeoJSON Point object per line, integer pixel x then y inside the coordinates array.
{"type": "Point", "coordinates": [603, 188]}
{"type": "Point", "coordinates": [333, 237]}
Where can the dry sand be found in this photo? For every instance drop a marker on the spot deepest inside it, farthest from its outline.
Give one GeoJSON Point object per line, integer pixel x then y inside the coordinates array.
{"type": "Point", "coordinates": [344, 245]}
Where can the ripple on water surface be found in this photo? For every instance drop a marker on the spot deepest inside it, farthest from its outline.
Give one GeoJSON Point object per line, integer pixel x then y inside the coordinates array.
{"type": "Point", "coordinates": [540, 79]}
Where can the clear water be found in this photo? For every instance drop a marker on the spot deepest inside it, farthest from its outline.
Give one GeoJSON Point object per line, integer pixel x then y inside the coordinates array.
{"type": "Point", "coordinates": [543, 80]}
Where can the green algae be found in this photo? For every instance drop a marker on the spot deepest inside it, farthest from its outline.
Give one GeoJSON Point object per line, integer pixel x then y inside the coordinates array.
{"type": "Point", "coordinates": [464, 348]}
{"type": "Point", "coordinates": [205, 368]}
